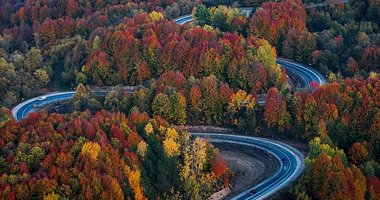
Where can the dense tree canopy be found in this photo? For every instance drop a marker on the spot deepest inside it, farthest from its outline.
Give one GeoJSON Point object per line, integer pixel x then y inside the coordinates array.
{"type": "Point", "coordinates": [346, 34]}
{"type": "Point", "coordinates": [210, 72]}
{"type": "Point", "coordinates": [87, 156]}
{"type": "Point", "coordinates": [275, 19]}
{"type": "Point", "coordinates": [140, 49]}
{"type": "Point", "coordinates": [221, 17]}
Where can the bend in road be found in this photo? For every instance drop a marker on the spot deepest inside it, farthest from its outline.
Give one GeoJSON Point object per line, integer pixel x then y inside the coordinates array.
{"type": "Point", "coordinates": [306, 74]}
{"type": "Point", "coordinates": [22, 109]}
{"type": "Point", "coordinates": [286, 173]}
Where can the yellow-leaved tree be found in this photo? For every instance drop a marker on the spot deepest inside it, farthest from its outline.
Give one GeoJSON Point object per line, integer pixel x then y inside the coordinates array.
{"type": "Point", "coordinates": [148, 129]}
{"type": "Point", "coordinates": [196, 180]}
{"type": "Point", "coordinates": [241, 99]}
{"type": "Point", "coordinates": [51, 196]}
{"type": "Point", "coordinates": [171, 147]}
{"type": "Point", "coordinates": [142, 148]}
{"type": "Point", "coordinates": [199, 148]}
{"type": "Point", "coordinates": [134, 182]}
{"type": "Point", "coordinates": [171, 144]}
{"type": "Point", "coordinates": [241, 108]}
{"type": "Point", "coordinates": [171, 133]}
{"type": "Point", "coordinates": [156, 16]}
{"type": "Point", "coordinates": [92, 149]}
{"type": "Point", "coordinates": [195, 155]}
{"type": "Point", "coordinates": [114, 192]}
{"type": "Point", "coordinates": [266, 55]}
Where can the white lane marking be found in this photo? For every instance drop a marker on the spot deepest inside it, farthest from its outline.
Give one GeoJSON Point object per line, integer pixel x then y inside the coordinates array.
{"type": "Point", "coordinates": [297, 72]}
{"type": "Point", "coordinates": [281, 146]}
{"type": "Point", "coordinates": [320, 80]}
{"type": "Point", "coordinates": [277, 185]}
{"type": "Point", "coordinates": [264, 141]}
{"type": "Point", "coordinates": [300, 71]}
{"type": "Point", "coordinates": [19, 106]}
{"type": "Point", "coordinates": [266, 180]}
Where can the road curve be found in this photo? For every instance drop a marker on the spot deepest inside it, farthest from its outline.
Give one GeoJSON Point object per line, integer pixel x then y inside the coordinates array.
{"type": "Point", "coordinates": [21, 110]}
{"type": "Point", "coordinates": [286, 173]}
{"type": "Point", "coordinates": [303, 73]}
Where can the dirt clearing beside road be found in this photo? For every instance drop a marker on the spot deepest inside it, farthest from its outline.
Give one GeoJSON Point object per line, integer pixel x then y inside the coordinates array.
{"type": "Point", "coordinates": [249, 164]}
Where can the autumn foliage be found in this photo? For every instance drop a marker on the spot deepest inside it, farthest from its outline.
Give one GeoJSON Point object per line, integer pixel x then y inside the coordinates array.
{"type": "Point", "coordinates": [218, 166]}
{"type": "Point", "coordinates": [213, 73]}
{"type": "Point", "coordinates": [274, 19]}
{"type": "Point", "coordinates": [344, 116]}
{"type": "Point", "coordinates": [140, 49]}
{"type": "Point", "coordinates": [58, 156]}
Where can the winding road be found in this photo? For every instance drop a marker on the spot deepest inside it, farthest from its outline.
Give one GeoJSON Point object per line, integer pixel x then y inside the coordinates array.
{"type": "Point", "coordinates": [286, 173]}
{"type": "Point", "coordinates": [304, 74]}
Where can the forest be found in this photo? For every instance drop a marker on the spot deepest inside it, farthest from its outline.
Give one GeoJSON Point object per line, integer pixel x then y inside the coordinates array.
{"type": "Point", "coordinates": [340, 120]}
{"type": "Point", "coordinates": [212, 71]}
{"type": "Point", "coordinates": [339, 38]}
{"type": "Point", "coordinates": [102, 156]}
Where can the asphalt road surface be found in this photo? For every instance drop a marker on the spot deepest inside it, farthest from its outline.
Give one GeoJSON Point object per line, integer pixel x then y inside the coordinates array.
{"type": "Point", "coordinates": [286, 173]}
